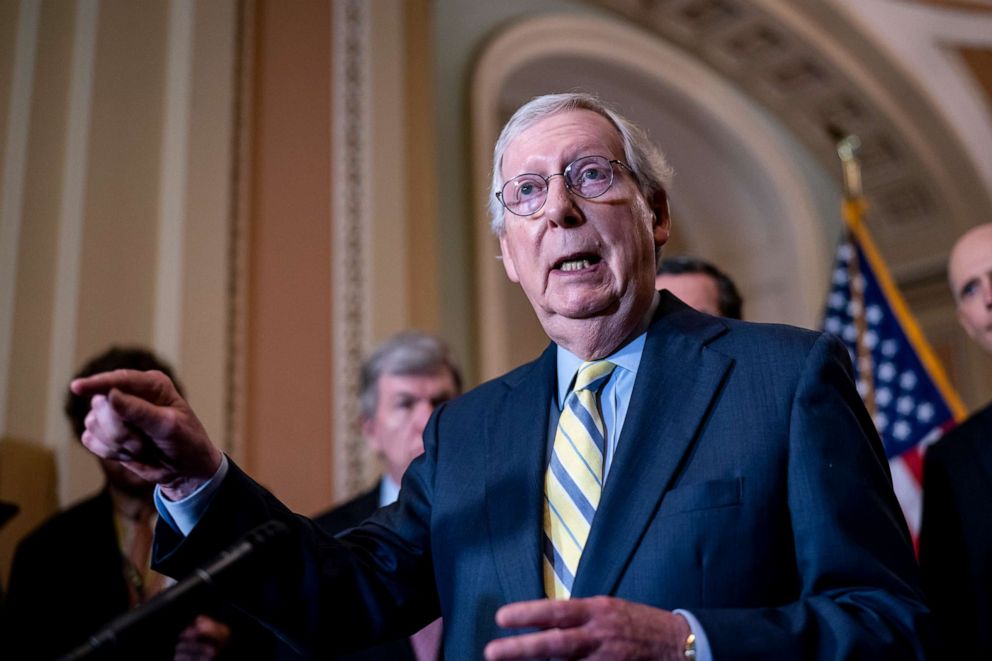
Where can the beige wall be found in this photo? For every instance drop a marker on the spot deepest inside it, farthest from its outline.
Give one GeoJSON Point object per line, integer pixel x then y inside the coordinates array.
{"type": "Point", "coordinates": [124, 201]}
{"type": "Point", "coordinates": [174, 189]}
{"type": "Point", "coordinates": [288, 396]}
{"type": "Point", "coordinates": [176, 173]}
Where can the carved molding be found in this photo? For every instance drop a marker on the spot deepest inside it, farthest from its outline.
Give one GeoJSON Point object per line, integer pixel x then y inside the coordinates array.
{"type": "Point", "coordinates": [351, 208]}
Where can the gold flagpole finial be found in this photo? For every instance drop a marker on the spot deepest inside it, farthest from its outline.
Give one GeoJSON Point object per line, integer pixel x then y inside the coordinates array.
{"type": "Point", "coordinates": [847, 149]}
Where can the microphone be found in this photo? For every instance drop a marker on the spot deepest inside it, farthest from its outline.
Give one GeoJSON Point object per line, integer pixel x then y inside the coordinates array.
{"type": "Point", "coordinates": [182, 599]}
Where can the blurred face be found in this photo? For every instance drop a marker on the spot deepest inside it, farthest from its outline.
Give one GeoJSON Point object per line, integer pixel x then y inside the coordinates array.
{"type": "Point", "coordinates": [697, 290]}
{"type": "Point", "coordinates": [970, 274]}
{"type": "Point", "coordinates": [405, 403]}
{"type": "Point", "coordinates": [581, 260]}
{"type": "Point", "coordinates": [126, 481]}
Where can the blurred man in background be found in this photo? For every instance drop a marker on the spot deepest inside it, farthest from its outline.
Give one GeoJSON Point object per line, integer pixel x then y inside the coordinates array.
{"type": "Point", "coordinates": [402, 383]}
{"type": "Point", "coordinates": [700, 285]}
{"type": "Point", "coordinates": [956, 534]}
{"type": "Point", "coordinates": [91, 562]}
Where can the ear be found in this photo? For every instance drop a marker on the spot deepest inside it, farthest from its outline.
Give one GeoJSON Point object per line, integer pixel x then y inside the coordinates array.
{"type": "Point", "coordinates": [662, 218]}
{"type": "Point", "coordinates": [507, 258]}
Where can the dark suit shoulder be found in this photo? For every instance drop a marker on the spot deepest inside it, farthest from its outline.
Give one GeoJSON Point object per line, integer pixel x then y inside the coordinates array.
{"type": "Point", "coordinates": [350, 513]}
{"type": "Point", "coordinates": [676, 318]}
{"type": "Point", "coordinates": [71, 524]}
{"type": "Point", "coordinates": [483, 396]}
{"type": "Point", "coordinates": [966, 438]}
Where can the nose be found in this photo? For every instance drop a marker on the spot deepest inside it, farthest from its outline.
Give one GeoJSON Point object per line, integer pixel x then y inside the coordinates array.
{"type": "Point", "coordinates": [560, 209]}
{"type": "Point", "coordinates": [986, 284]}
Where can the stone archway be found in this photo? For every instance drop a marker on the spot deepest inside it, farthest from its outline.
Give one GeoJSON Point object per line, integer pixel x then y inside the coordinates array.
{"type": "Point", "coordinates": [737, 168]}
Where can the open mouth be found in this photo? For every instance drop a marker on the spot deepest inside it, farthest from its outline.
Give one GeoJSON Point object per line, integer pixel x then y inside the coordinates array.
{"type": "Point", "coordinates": [577, 262]}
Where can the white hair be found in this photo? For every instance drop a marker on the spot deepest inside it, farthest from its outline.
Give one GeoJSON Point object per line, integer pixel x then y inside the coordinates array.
{"type": "Point", "coordinates": [646, 162]}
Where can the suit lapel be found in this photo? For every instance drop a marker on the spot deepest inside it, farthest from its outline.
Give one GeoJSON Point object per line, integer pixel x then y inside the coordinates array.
{"type": "Point", "coordinates": [677, 379]}
{"type": "Point", "coordinates": [515, 482]}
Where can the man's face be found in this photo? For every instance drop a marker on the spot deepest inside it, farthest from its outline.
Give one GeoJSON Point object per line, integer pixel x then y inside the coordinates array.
{"type": "Point", "coordinates": [697, 290]}
{"type": "Point", "coordinates": [577, 258]}
{"type": "Point", "coordinates": [970, 274]}
{"type": "Point", "coordinates": [405, 403]}
{"type": "Point", "coordinates": [126, 480]}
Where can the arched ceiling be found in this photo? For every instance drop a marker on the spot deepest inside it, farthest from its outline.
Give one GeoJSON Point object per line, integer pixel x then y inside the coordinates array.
{"type": "Point", "coordinates": [813, 67]}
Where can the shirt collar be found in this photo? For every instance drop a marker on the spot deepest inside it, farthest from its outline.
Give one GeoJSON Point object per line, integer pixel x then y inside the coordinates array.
{"type": "Point", "coordinates": [389, 491]}
{"type": "Point", "coordinates": [627, 357]}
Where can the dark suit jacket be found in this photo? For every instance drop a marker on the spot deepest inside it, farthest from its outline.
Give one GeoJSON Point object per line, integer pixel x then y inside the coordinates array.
{"type": "Point", "coordinates": [956, 536]}
{"type": "Point", "coordinates": [349, 514]}
{"type": "Point", "coordinates": [66, 582]}
{"type": "Point", "coordinates": [748, 486]}
{"type": "Point", "coordinates": [344, 517]}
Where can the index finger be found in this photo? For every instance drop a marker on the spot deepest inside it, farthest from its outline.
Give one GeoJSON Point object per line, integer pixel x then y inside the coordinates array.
{"type": "Point", "coordinates": [144, 384]}
{"type": "Point", "coordinates": [543, 613]}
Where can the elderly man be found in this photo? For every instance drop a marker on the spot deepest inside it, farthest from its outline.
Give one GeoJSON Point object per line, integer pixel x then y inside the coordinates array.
{"type": "Point", "coordinates": [701, 285]}
{"type": "Point", "coordinates": [956, 535]}
{"type": "Point", "coordinates": [402, 382]}
{"type": "Point", "coordinates": [659, 483]}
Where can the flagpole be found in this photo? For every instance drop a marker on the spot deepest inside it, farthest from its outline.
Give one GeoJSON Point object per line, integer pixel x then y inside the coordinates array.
{"type": "Point", "coordinates": [853, 211]}
{"type": "Point", "coordinates": [856, 234]}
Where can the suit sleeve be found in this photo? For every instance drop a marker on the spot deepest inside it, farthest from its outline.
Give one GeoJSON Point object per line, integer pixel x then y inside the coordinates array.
{"type": "Point", "coordinates": [859, 593]}
{"type": "Point", "coordinates": [325, 595]}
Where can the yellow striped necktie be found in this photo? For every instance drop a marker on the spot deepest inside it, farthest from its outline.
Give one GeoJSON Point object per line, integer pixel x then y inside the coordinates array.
{"type": "Point", "coordinates": [574, 479]}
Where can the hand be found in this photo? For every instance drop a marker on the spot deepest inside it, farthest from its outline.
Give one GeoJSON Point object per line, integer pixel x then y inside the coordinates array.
{"type": "Point", "coordinates": [139, 419]}
{"type": "Point", "coordinates": [203, 640]}
{"type": "Point", "coordinates": [593, 628]}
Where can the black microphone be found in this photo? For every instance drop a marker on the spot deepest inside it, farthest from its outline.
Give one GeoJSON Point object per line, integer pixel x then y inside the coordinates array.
{"type": "Point", "coordinates": [181, 600]}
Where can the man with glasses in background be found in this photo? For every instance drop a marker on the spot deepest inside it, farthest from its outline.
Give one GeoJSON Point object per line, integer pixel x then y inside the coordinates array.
{"type": "Point", "coordinates": [659, 483]}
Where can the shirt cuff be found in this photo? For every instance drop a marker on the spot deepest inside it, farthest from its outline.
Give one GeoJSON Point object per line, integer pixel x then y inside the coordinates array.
{"type": "Point", "coordinates": [183, 515]}
{"type": "Point", "coordinates": [703, 652]}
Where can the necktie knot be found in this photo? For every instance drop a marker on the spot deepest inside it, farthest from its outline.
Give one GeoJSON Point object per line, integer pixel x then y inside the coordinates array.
{"type": "Point", "coordinates": [592, 375]}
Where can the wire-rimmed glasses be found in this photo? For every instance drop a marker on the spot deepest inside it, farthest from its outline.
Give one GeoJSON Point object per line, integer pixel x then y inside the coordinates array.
{"type": "Point", "coordinates": [586, 176]}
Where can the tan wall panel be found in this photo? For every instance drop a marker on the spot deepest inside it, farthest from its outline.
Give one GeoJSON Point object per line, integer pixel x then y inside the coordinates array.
{"type": "Point", "coordinates": [423, 281]}
{"type": "Point", "coordinates": [29, 359]}
{"type": "Point", "coordinates": [117, 279]}
{"type": "Point", "coordinates": [205, 286]}
{"type": "Point", "coordinates": [289, 345]}
{"type": "Point", "coordinates": [9, 13]}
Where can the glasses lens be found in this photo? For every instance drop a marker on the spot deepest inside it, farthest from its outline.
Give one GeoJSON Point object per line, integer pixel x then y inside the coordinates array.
{"type": "Point", "coordinates": [589, 176]}
{"type": "Point", "coordinates": [525, 194]}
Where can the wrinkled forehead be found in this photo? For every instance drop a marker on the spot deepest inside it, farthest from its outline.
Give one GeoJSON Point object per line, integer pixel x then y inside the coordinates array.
{"type": "Point", "coordinates": [556, 140]}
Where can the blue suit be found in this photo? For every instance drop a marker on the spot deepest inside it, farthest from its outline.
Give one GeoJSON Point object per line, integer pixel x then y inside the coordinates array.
{"type": "Point", "coordinates": [748, 487]}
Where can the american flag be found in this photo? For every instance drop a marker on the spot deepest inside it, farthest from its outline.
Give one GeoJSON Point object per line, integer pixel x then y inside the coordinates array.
{"type": "Point", "coordinates": [898, 375]}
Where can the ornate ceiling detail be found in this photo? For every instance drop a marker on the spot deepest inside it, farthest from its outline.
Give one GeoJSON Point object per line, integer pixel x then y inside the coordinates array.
{"type": "Point", "coordinates": [810, 68]}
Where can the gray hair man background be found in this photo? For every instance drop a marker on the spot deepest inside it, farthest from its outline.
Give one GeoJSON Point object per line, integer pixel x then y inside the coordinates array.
{"type": "Point", "coordinates": [402, 382]}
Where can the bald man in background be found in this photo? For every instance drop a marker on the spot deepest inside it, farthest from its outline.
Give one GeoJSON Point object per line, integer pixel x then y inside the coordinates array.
{"type": "Point", "coordinates": [956, 536]}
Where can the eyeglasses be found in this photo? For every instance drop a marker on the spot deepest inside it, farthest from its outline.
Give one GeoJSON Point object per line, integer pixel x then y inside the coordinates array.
{"type": "Point", "coordinates": [587, 177]}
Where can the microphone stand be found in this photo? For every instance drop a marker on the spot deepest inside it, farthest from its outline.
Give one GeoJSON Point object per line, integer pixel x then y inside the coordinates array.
{"type": "Point", "coordinates": [179, 601]}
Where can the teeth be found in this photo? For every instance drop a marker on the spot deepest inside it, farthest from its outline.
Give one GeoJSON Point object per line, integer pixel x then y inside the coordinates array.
{"type": "Point", "coordinates": [575, 265]}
